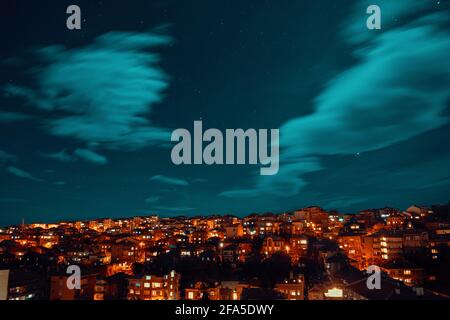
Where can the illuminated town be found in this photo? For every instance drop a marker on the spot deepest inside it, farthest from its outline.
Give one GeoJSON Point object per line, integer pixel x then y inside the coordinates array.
{"type": "Point", "coordinates": [308, 254]}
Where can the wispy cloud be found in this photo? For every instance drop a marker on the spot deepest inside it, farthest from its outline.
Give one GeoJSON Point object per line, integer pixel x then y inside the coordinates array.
{"type": "Point", "coordinates": [62, 155]}
{"type": "Point", "coordinates": [12, 200]}
{"type": "Point", "coordinates": [169, 180]}
{"type": "Point", "coordinates": [152, 199]}
{"type": "Point", "coordinates": [6, 157]}
{"type": "Point", "coordinates": [8, 117]}
{"type": "Point", "coordinates": [397, 90]}
{"type": "Point", "coordinates": [173, 209]}
{"type": "Point", "coordinates": [240, 193]}
{"type": "Point", "coordinates": [79, 154]}
{"type": "Point", "coordinates": [105, 90]}
{"type": "Point", "coordinates": [22, 174]}
{"type": "Point", "coordinates": [90, 156]}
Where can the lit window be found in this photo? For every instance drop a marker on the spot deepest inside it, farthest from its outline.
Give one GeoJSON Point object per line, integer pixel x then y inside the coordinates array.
{"type": "Point", "coordinates": [334, 293]}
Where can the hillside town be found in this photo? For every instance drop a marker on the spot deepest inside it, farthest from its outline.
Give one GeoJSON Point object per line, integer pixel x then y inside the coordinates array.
{"type": "Point", "coordinates": [307, 254]}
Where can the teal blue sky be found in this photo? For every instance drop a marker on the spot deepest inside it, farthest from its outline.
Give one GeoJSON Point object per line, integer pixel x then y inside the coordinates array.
{"type": "Point", "coordinates": [86, 115]}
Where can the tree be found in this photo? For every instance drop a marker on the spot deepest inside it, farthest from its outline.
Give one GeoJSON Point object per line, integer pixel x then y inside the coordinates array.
{"type": "Point", "coordinates": [276, 268]}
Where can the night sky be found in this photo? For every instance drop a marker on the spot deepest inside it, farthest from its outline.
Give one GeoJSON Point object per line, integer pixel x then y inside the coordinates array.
{"type": "Point", "coordinates": [86, 115]}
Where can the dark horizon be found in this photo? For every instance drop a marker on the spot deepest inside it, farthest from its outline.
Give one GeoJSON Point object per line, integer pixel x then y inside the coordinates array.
{"type": "Point", "coordinates": [179, 216]}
